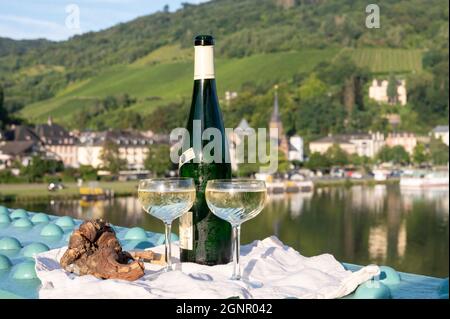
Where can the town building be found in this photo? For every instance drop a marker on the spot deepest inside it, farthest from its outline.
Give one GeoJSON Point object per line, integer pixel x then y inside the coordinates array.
{"type": "Point", "coordinates": [441, 132]}
{"type": "Point", "coordinates": [18, 151]}
{"type": "Point", "coordinates": [52, 141]}
{"type": "Point", "coordinates": [275, 123]}
{"type": "Point", "coordinates": [230, 95]}
{"type": "Point", "coordinates": [394, 120]}
{"type": "Point", "coordinates": [19, 144]}
{"type": "Point", "coordinates": [243, 136]}
{"type": "Point", "coordinates": [407, 140]}
{"type": "Point", "coordinates": [296, 148]}
{"type": "Point", "coordinates": [20, 133]}
{"type": "Point", "coordinates": [361, 144]}
{"type": "Point", "coordinates": [133, 147]}
{"type": "Point", "coordinates": [242, 133]}
{"type": "Point", "coordinates": [59, 141]}
{"type": "Point", "coordinates": [378, 91]}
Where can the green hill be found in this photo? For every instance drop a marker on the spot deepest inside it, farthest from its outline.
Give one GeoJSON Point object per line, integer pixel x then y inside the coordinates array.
{"type": "Point", "coordinates": [161, 83]}
{"type": "Point", "coordinates": [388, 60]}
{"type": "Point", "coordinates": [259, 41]}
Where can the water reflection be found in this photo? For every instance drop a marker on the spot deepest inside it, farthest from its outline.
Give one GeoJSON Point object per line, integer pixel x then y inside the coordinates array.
{"type": "Point", "coordinates": [439, 196]}
{"type": "Point", "coordinates": [406, 229]}
{"type": "Point", "coordinates": [295, 203]}
{"type": "Point", "coordinates": [378, 243]}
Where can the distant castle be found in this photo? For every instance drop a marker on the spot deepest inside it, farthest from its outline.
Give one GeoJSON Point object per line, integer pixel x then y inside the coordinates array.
{"type": "Point", "coordinates": [275, 122]}
{"type": "Point", "coordinates": [378, 91]}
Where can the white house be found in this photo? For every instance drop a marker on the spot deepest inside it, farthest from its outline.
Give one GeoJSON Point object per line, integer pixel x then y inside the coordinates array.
{"type": "Point", "coordinates": [409, 141]}
{"type": "Point", "coordinates": [230, 95]}
{"type": "Point", "coordinates": [441, 132]}
{"type": "Point", "coordinates": [19, 151]}
{"type": "Point", "coordinates": [242, 132]}
{"type": "Point", "coordinates": [361, 144]}
{"type": "Point", "coordinates": [19, 144]}
{"type": "Point", "coordinates": [378, 91]}
{"type": "Point", "coordinates": [133, 147]}
{"type": "Point", "coordinates": [59, 141]}
{"type": "Point", "coordinates": [296, 148]}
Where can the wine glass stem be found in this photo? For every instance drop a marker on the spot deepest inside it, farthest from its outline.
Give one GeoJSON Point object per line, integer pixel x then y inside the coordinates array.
{"type": "Point", "coordinates": [168, 252]}
{"type": "Point", "coordinates": [236, 252]}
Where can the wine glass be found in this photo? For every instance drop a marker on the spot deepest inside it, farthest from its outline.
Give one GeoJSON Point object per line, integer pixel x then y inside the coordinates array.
{"type": "Point", "coordinates": [236, 201]}
{"type": "Point", "coordinates": [167, 199]}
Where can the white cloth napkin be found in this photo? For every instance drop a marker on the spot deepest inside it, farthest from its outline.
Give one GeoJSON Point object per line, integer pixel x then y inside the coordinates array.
{"type": "Point", "coordinates": [269, 270]}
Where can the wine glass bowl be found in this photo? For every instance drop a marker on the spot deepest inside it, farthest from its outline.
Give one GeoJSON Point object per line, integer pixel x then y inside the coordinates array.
{"type": "Point", "coordinates": [236, 201]}
{"type": "Point", "coordinates": [167, 199]}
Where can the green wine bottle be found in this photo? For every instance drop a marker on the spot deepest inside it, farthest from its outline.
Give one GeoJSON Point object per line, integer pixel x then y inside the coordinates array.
{"type": "Point", "coordinates": [204, 238]}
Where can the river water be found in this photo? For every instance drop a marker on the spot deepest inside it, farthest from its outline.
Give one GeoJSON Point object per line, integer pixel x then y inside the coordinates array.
{"type": "Point", "coordinates": [382, 224]}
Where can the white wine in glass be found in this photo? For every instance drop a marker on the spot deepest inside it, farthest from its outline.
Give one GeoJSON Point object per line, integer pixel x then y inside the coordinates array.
{"type": "Point", "coordinates": [236, 201]}
{"type": "Point", "coordinates": [167, 199]}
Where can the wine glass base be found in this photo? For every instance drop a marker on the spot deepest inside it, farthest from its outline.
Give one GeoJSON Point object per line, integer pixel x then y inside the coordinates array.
{"type": "Point", "coordinates": [236, 277]}
{"type": "Point", "coordinates": [168, 268]}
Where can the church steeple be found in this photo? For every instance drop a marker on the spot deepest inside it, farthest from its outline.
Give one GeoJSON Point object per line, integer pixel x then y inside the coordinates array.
{"type": "Point", "coordinates": [276, 112]}
{"type": "Point", "coordinates": [275, 122]}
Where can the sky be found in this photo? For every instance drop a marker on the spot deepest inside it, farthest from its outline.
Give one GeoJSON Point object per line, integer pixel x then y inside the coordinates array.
{"type": "Point", "coordinates": [60, 19]}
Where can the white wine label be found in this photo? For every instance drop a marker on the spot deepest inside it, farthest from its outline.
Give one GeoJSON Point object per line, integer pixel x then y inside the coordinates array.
{"type": "Point", "coordinates": [186, 157]}
{"type": "Point", "coordinates": [204, 62]}
{"type": "Point", "coordinates": [186, 232]}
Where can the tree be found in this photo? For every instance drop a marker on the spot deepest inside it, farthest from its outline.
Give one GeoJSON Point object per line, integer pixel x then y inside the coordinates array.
{"type": "Point", "coordinates": [248, 169]}
{"type": "Point", "coordinates": [6, 177]}
{"type": "Point", "coordinates": [319, 116]}
{"type": "Point", "coordinates": [88, 173]}
{"type": "Point", "coordinates": [318, 161]}
{"type": "Point", "coordinates": [312, 87]}
{"type": "Point", "coordinates": [357, 160]}
{"type": "Point", "coordinates": [399, 155]}
{"type": "Point", "coordinates": [384, 154]}
{"type": "Point", "coordinates": [166, 117]}
{"type": "Point", "coordinates": [186, 5]}
{"type": "Point", "coordinates": [124, 119]}
{"type": "Point", "coordinates": [346, 80]}
{"type": "Point", "coordinates": [110, 156]}
{"type": "Point", "coordinates": [166, 8]}
{"type": "Point", "coordinates": [439, 152]}
{"type": "Point", "coordinates": [392, 90]}
{"type": "Point", "coordinates": [39, 167]}
{"type": "Point", "coordinates": [420, 154]}
{"type": "Point", "coordinates": [4, 118]}
{"type": "Point", "coordinates": [396, 155]}
{"type": "Point", "coordinates": [109, 103]}
{"type": "Point", "coordinates": [158, 159]}
{"type": "Point", "coordinates": [283, 163]}
{"type": "Point", "coordinates": [2, 97]}
{"type": "Point", "coordinates": [337, 156]}
{"type": "Point", "coordinates": [428, 92]}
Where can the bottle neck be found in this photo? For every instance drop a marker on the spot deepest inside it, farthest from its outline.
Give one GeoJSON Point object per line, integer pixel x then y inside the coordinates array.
{"type": "Point", "coordinates": [204, 63]}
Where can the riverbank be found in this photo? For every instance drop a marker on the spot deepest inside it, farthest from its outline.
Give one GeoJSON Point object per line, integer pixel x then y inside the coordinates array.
{"type": "Point", "coordinates": [38, 192]}
{"type": "Point", "coordinates": [319, 183]}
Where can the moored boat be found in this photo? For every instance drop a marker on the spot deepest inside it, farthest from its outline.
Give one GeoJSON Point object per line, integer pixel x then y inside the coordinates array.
{"type": "Point", "coordinates": [380, 175]}
{"type": "Point", "coordinates": [279, 187]}
{"type": "Point", "coordinates": [419, 179]}
{"type": "Point", "coordinates": [94, 192]}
